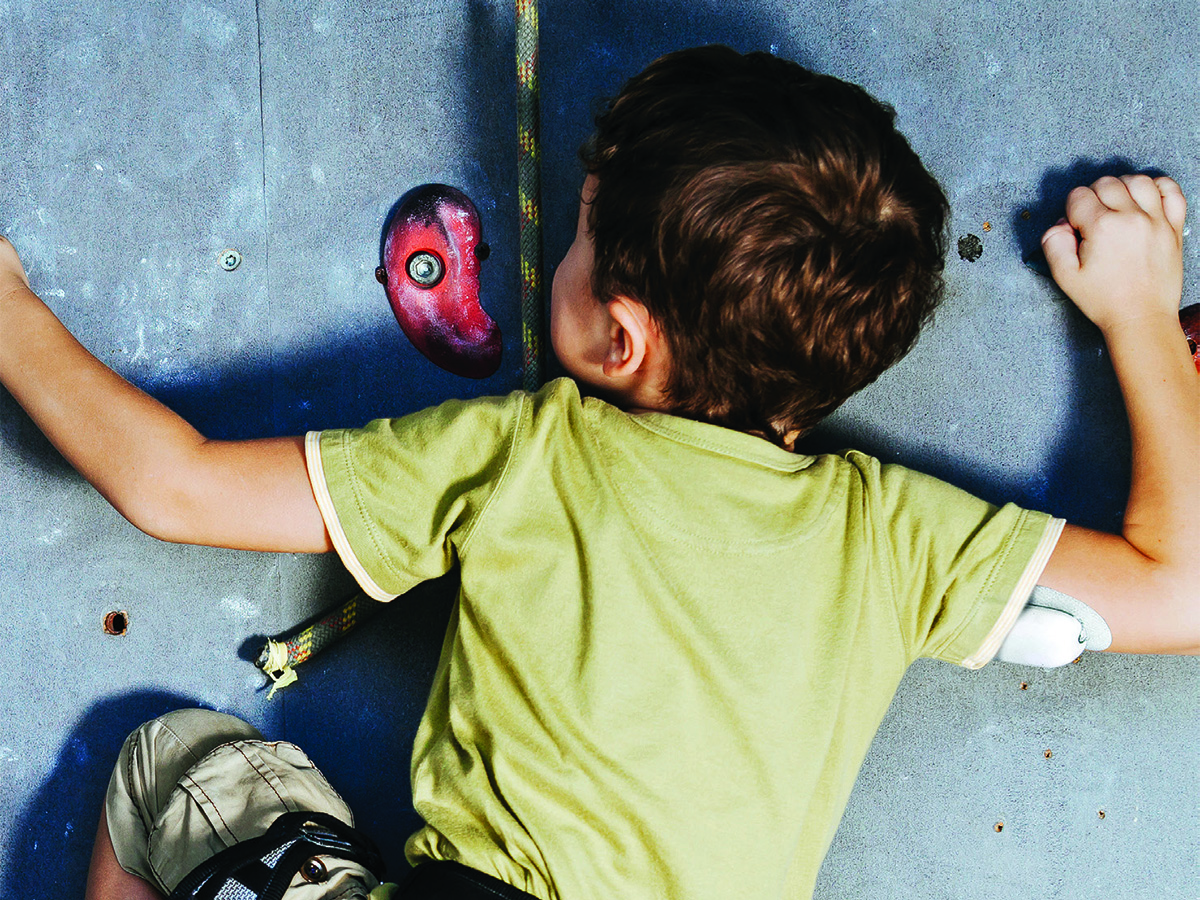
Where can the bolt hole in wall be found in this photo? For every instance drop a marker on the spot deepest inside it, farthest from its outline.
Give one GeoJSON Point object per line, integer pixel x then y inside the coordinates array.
{"type": "Point", "coordinates": [970, 247]}
{"type": "Point", "coordinates": [116, 623]}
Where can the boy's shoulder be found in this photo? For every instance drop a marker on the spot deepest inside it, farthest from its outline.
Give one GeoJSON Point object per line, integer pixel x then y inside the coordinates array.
{"type": "Point", "coordinates": [561, 421]}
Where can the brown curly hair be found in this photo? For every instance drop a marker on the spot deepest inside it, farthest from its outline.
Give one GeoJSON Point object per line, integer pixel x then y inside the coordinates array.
{"type": "Point", "coordinates": [781, 232]}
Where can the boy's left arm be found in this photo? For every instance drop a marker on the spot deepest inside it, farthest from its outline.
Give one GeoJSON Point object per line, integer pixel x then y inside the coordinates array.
{"type": "Point", "coordinates": [154, 468]}
{"type": "Point", "coordinates": [1118, 256]}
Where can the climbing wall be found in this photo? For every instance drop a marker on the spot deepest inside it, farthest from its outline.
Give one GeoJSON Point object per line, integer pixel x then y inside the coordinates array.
{"type": "Point", "coordinates": [144, 140]}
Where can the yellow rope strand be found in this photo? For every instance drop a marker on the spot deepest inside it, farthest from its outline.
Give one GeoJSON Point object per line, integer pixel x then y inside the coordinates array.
{"type": "Point", "coordinates": [529, 192]}
{"type": "Point", "coordinates": [279, 658]}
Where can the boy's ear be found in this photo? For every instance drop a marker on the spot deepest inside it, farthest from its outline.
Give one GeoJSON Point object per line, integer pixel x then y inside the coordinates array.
{"type": "Point", "coordinates": [634, 339]}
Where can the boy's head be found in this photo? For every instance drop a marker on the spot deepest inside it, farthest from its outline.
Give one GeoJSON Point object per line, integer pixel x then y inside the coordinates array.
{"type": "Point", "coordinates": [782, 237]}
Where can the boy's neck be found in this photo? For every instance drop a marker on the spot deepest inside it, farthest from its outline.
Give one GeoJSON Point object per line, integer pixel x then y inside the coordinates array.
{"type": "Point", "coordinates": [635, 404]}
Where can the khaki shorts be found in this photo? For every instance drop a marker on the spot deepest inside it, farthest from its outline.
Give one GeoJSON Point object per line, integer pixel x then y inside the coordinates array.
{"type": "Point", "coordinates": [191, 783]}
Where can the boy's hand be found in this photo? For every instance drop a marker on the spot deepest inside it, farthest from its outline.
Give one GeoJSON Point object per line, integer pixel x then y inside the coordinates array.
{"type": "Point", "coordinates": [1118, 254]}
{"type": "Point", "coordinates": [12, 273]}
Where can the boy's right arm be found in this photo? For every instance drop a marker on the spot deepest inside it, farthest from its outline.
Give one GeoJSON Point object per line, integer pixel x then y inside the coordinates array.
{"type": "Point", "coordinates": [1118, 256]}
{"type": "Point", "coordinates": [155, 469]}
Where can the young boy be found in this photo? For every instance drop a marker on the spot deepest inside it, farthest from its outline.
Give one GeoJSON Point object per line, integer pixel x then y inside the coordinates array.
{"type": "Point", "coordinates": [675, 637]}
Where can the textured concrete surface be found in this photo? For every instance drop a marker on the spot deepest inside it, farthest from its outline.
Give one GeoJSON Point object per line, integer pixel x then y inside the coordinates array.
{"type": "Point", "coordinates": [140, 139]}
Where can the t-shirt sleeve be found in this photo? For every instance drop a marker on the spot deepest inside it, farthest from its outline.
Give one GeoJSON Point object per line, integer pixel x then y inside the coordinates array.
{"type": "Point", "coordinates": [400, 497]}
{"type": "Point", "coordinates": [962, 568]}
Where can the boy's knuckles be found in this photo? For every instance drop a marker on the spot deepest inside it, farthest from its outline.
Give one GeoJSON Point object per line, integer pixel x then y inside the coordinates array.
{"type": "Point", "coordinates": [1167, 185]}
{"type": "Point", "coordinates": [1174, 206]}
{"type": "Point", "coordinates": [1144, 192]}
{"type": "Point", "coordinates": [1080, 196]}
{"type": "Point", "coordinates": [1111, 191]}
{"type": "Point", "coordinates": [1120, 229]}
{"type": "Point", "coordinates": [1116, 183]}
{"type": "Point", "coordinates": [1138, 182]}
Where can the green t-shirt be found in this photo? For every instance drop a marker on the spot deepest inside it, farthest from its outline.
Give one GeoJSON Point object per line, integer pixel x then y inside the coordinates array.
{"type": "Point", "coordinates": [673, 642]}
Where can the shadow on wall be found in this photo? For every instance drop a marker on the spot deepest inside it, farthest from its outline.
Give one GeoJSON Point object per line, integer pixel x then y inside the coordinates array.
{"type": "Point", "coordinates": [1029, 223]}
{"type": "Point", "coordinates": [53, 836]}
{"type": "Point", "coordinates": [355, 712]}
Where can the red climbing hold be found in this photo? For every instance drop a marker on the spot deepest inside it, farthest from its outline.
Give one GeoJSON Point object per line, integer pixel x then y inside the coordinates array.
{"type": "Point", "coordinates": [431, 258]}
{"type": "Point", "coordinates": [1189, 318]}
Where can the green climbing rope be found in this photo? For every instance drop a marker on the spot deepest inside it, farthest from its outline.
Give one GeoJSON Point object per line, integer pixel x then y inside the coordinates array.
{"type": "Point", "coordinates": [529, 191]}
{"type": "Point", "coordinates": [280, 657]}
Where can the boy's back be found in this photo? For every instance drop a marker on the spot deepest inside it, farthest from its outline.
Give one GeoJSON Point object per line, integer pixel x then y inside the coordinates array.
{"type": "Point", "coordinates": [673, 642]}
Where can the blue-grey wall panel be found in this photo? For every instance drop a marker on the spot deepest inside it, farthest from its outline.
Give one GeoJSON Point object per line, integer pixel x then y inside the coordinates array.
{"type": "Point", "coordinates": [141, 139]}
{"type": "Point", "coordinates": [132, 155]}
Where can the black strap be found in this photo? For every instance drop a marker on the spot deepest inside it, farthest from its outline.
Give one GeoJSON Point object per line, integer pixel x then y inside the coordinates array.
{"type": "Point", "coordinates": [266, 865]}
{"type": "Point", "coordinates": [446, 880]}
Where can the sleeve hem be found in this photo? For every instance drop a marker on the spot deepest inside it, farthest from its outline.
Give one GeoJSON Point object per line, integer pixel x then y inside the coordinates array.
{"type": "Point", "coordinates": [337, 534]}
{"type": "Point", "coordinates": [1019, 596]}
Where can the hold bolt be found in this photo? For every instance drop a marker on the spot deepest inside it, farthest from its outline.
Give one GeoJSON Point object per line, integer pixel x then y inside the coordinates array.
{"type": "Point", "coordinates": [425, 268]}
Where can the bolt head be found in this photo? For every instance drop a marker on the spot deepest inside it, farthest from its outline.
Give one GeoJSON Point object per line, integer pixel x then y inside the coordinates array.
{"type": "Point", "coordinates": [425, 268]}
